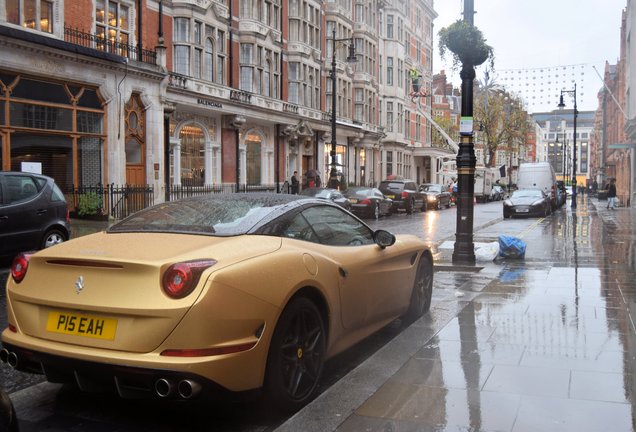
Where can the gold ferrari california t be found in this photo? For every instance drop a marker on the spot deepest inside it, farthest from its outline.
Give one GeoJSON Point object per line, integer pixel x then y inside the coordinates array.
{"type": "Point", "coordinates": [219, 294]}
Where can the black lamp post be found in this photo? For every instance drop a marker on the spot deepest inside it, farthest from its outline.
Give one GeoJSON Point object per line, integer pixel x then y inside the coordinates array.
{"type": "Point", "coordinates": [351, 58]}
{"type": "Point", "coordinates": [562, 105]}
{"type": "Point", "coordinates": [464, 249]}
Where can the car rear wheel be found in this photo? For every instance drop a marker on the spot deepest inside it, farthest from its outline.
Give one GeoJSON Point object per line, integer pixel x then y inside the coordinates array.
{"type": "Point", "coordinates": [296, 356]}
{"type": "Point", "coordinates": [410, 205]}
{"type": "Point", "coordinates": [52, 237]}
{"type": "Point", "coordinates": [422, 289]}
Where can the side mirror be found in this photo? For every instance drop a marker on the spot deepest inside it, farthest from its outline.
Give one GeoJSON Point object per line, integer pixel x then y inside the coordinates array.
{"type": "Point", "coordinates": [383, 238]}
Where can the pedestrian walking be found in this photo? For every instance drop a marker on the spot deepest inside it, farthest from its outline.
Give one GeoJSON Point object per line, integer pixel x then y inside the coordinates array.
{"type": "Point", "coordinates": [611, 194]}
{"type": "Point", "coordinates": [294, 183]}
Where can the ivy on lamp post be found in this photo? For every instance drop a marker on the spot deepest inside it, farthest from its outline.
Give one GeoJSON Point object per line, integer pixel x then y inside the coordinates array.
{"type": "Point", "coordinates": [467, 45]}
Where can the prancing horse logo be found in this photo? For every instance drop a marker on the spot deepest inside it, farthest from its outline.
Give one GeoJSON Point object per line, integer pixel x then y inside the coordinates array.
{"type": "Point", "coordinates": [79, 284]}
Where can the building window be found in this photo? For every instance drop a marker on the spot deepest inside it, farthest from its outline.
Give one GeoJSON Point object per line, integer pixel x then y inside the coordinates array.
{"type": "Point", "coordinates": [389, 163]}
{"type": "Point", "coordinates": [253, 159]}
{"type": "Point", "coordinates": [180, 36]}
{"type": "Point", "coordinates": [209, 59]}
{"type": "Point", "coordinates": [220, 57]}
{"type": "Point", "coordinates": [389, 26]}
{"type": "Point", "coordinates": [192, 155]}
{"type": "Point", "coordinates": [359, 104]}
{"type": "Point", "coordinates": [53, 125]}
{"type": "Point", "coordinates": [389, 71]}
{"type": "Point", "coordinates": [31, 14]}
{"type": "Point", "coordinates": [247, 67]}
{"type": "Point", "coordinates": [389, 116]}
{"type": "Point", "coordinates": [293, 75]}
{"type": "Point", "coordinates": [112, 26]}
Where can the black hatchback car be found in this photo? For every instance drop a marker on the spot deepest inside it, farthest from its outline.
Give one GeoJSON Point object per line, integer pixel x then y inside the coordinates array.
{"type": "Point", "coordinates": [33, 213]}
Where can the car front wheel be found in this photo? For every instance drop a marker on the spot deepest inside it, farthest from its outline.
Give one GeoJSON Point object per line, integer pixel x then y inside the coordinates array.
{"type": "Point", "coordinates": [296, 356]}
{"type": "Point", "coordinates": [52, 237]}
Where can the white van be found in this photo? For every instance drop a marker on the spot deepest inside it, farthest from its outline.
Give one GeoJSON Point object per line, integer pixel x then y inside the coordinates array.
{"type": "Point", "coordinates": [539, 175]}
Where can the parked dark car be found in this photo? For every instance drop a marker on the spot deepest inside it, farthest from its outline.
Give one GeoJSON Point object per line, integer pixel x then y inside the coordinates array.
{"type": "Point", "coordinates": [437, 196]}
{"type": "Point", "coordinates": [405, 195]}
{"type": "Point", "coordinates": [333, 195]}
{"type": "Point", "coordinates": [527, 202]}
{"type": "Point", "coordinates": [563, 195]}
{"type": "Point", "coordinates": [33, 213]}
{"type": "Point", "coordinates": [367, 202]}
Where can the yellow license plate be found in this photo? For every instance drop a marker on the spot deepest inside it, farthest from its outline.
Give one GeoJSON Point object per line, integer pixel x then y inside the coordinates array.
{"type": "Point", "coordinates": [390, 196]}
{"type": "Point", "coordinates": [353, 200]}
{"type": "Point", "coordinates": [82, 325]}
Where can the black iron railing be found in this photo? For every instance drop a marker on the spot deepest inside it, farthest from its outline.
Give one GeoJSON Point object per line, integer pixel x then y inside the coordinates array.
{"type": "Point", "coordinates": [94, 41]}
{"type": "Point", "coordinates": [121, 201]}
{"type": "Point", "coordinates": [109, 200]}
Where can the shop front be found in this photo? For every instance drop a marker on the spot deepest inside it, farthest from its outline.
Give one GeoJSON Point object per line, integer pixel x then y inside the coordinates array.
{"type": "Point", "coordinates": [53, 128]}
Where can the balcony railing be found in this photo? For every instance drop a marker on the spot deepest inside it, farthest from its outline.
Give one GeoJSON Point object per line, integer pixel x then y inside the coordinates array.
{"type": "Point", "coordinates": [89, 40]}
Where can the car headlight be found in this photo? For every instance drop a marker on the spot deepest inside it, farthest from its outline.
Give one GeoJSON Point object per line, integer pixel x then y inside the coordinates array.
{"type": "Point", "coordinates": [431, 197]}
{"type": "Point", "coordinates": [508, 203]}
{"type": "Point", "coordinates": [537, 203]}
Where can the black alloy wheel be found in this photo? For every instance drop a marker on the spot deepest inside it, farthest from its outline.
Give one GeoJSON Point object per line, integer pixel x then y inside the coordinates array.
{"type": "Point", "coordinates": [422, 289]}
{"type": "Point", "coordinates": [296, 356]}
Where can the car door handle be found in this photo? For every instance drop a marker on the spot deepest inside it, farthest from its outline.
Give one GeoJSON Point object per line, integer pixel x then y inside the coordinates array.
{"type": "Point", "coordinates": [40, 212]}
{"type": "Point", "coordinates": [4, 218]}
{"type": "Point", "coordinates": [343, 272]}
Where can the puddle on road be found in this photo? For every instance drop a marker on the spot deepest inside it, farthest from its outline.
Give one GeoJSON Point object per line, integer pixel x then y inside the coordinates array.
{"type": "Point", "coordinates": [549, 344]}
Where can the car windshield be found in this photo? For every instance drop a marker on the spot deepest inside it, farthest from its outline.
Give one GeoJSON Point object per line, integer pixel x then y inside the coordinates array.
{"type": "Point", "coordinates": [432, 188]}
{"type": "Point", "coordinates": [527, 193]}
{"type": "Point", "coordinates": [223, 215]}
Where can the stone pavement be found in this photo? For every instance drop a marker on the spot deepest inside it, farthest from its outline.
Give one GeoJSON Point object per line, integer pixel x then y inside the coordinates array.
{"type": "Point", "coordinates": [546, 343]}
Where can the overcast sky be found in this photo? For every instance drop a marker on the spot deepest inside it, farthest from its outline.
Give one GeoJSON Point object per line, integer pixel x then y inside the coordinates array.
{"type": "Point", "coordinates": [540, 33]}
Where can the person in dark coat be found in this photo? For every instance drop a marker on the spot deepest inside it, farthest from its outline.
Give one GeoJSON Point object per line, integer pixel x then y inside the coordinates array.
{"type": "Point", "coordinates": [611, 194]}
{"type": "Point", "coordinates": [294, 183]}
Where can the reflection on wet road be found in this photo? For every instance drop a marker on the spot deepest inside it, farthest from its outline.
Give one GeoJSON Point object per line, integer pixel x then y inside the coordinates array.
{"type": "Point", "coordinates": [543, 344]}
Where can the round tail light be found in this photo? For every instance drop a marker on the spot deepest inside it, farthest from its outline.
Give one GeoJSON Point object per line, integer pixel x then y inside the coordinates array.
{"type": "Point", "coordinates": [180, 279]}
{"type": "Point", "coordinates": [19, 266]}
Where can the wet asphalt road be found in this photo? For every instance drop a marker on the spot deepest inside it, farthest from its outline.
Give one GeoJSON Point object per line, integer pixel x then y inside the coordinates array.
{"type": "Point", "coordinates": [51, 407]}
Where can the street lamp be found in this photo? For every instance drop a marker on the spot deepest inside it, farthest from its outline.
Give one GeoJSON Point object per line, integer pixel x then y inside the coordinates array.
{"type": "Point", "coordinates": [562, 105]}
{"type": "Point", "coordinates": [351, 58]}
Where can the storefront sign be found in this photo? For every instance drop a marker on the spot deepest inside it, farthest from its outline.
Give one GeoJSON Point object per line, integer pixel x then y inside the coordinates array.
{"type": "Point", "coordinates": [31, 167]}
{"type": "Point", "coordinates": [209, 103]}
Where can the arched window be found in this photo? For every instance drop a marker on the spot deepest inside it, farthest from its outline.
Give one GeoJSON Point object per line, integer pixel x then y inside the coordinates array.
{"type": "Point", "coordinates": [192, 155]}
{"type": "Point", "coordinates": [253, 158]}
{"type": "Point", "coordinates": [209, 60]}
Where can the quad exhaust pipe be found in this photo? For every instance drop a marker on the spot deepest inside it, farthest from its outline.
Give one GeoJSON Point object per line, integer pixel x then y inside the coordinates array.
{"type": "Point", "coordinates": [9, 357]}
{"type": "Point", "coordinates": [163, 387]}
{"type": "Point", "coordinates": [185, 389]}
{"type": "Point", "coordinates": [188, 389]}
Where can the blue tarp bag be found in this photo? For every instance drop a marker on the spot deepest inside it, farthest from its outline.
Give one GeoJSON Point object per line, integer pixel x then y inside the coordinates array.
{"type": "Point", "coordinates": [511, 247]}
